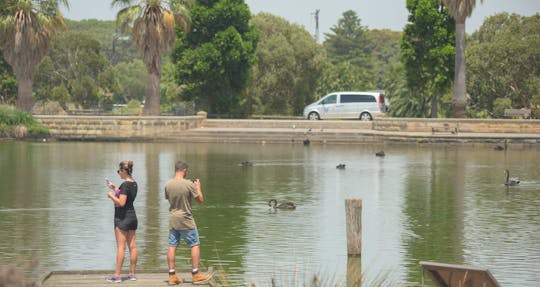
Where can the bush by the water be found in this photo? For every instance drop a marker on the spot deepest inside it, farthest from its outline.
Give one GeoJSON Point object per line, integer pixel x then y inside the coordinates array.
{"type": "Point", "coordinates": [18, 124]}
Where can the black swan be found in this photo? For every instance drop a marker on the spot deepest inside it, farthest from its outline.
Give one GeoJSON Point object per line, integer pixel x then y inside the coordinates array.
{"type": "Point", "coordinates": [246, 163]}
{"type": "Point", "coordinates": [510, 181]}
{"type": "Point", "coordinates": [284, 205]}
{"type": "Point", "coordinates": [340, 166]}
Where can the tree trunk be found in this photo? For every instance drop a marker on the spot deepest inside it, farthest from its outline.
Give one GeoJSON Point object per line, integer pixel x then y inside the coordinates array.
{"type": "Point", "coordinates": [24, 95]}
{"type": "Point", "coordinates": [151, 105]}
{"type": "Point", "coordinates": [459, 101]}
{"type": "Point", "coordinates": [433, 106]}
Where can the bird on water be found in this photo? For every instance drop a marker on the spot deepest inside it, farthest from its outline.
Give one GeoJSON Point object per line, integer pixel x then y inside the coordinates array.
{"type": "Point", "coordinates": [284, 205]}
{"type": "Point", "coordinates": [510, 181]}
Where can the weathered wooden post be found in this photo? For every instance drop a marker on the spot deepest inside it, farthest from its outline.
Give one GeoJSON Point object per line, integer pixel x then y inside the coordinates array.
{"type": "Point", "coordinates": [353, 210]}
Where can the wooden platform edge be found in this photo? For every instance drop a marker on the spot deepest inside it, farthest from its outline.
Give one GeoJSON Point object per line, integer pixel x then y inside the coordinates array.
{"type": "Point", "coordinates": [48, 275]}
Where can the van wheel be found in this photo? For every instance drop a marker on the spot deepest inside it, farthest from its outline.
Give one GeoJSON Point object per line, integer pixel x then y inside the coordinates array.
{"type": "Point", "coordinates": [313, 116]}
{"type": "Point", "coordinates": [365, 117]}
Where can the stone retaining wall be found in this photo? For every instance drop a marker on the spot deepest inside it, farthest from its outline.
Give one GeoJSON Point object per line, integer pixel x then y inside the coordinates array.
{"type": "Point", "coordinates": [118, 127]}
{"type": "Point", "coordinates": [462, 125]}
{"type": "Point", "coordinates": [175, 128]}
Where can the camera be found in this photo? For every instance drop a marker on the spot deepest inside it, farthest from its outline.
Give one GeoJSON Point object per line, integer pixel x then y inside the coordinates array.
{"type": "Point", "coordinates": [193, 180]}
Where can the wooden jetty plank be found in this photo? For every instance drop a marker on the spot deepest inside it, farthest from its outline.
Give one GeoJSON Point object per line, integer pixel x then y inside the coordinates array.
{"type": "Point", "coordinates": [95, 278]}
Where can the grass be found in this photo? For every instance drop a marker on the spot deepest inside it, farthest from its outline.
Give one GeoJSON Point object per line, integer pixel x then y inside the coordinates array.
{"type": "Point", "coordinates": [18, 124]}
{"type": "Point", "coordinates": [354, 278]}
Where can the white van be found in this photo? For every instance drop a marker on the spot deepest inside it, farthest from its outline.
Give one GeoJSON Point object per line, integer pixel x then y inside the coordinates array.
{"type": "Point", "coordinates": [347, 105]}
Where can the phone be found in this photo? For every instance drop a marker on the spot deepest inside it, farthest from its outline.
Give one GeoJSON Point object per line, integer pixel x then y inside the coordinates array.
{"type": "Point", "coordinates": [107, 181]}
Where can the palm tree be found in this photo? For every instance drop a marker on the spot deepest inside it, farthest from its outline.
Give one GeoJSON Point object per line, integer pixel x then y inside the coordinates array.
{"type": "Point", "coordinates": [26, 28]}
{"type": "Point", "coordinates": [152, 25]}
{"type": "Point", "coordinates": [460, 10]}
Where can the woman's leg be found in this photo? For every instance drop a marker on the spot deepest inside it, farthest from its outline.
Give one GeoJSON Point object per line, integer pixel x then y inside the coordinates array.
{"type": "Point", "coordinates": [132, 245]}
{"type": "Point", "coordinates": [120, 249]}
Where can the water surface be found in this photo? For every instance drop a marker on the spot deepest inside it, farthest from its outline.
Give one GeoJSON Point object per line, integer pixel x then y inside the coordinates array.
{"type": "Point", "coordinates": [438, 203]}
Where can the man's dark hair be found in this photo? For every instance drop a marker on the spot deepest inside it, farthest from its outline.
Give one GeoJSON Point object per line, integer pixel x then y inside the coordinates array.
{"type": "Point", "coordinates": [181, 165]}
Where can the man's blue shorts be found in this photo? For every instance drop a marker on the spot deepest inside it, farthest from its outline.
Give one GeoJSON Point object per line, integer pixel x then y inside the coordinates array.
{"type": "Point", "coordinates": [190, 236]}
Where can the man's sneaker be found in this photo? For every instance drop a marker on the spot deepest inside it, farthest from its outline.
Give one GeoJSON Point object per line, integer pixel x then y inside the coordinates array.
{"type": "Point", "coordinates": [114, 279]}
{"type": "Point", "coordinates": [174, 280]}
{"type": "Point", "coordinates": [132, 277]}
{"type": "Point", "coordinates": [199, 278]}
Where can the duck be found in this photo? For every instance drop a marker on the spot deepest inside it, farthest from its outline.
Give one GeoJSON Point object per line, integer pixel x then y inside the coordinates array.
{"type": "Point", "coordinates": [307, 142]}
{"type": "Point", "coordinates": [246, 163]}
{"type": "Point", "coordinates": [510, 181]}
{"type": "Point", "coordinates": [340, 166]}
{"type": "Point", "coordinates": [380, 153]}
{"type": "Point", "coordinates": [499, 147]}
{"type": "Point", "coordinates": [284, 205]}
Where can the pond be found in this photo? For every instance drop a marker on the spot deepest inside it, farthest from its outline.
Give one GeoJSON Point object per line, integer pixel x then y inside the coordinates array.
{"type": "Point", "coordinates": [420, 202]}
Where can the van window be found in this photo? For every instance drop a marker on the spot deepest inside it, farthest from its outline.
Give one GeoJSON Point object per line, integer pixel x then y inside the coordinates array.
{"type": "Point", "coordinates": [329, 100]}
{"type": "Point", "coordinates": [348, 98]}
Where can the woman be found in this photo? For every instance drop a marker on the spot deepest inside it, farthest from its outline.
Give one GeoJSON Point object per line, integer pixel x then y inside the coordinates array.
{"type": "Point", "coordinates": [125, 219]}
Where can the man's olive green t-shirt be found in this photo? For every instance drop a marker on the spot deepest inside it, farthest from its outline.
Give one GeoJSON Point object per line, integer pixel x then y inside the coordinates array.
{"type": "Point", "coordinates": [179, 193]}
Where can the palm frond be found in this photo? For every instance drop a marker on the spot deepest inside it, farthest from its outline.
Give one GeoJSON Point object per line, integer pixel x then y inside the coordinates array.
{"type": "Point", "coordinates": [126, 17]}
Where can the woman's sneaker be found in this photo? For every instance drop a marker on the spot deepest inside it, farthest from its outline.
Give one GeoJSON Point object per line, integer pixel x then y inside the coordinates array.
{"type": "Point", "coordinates": [114, 279]}
{"type": "Point", "coordinates": [132, 277]}
{"type": "Point", "coordinates": [199, 278]}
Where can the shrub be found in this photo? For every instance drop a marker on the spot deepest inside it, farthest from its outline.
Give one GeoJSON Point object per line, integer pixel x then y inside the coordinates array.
{"type": "Point", "coordinates": [16, 123]}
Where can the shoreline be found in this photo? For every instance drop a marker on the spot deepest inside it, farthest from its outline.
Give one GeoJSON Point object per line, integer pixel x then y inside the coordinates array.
{"type": "Point", "coordinates": [200, 129]}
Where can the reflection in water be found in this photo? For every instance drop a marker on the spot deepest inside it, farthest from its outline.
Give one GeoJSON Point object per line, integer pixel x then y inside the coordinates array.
{"type": "Point", "coordinates": [446, 204]}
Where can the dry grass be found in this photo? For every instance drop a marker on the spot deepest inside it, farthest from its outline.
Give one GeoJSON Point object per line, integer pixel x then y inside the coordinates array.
{"type": "Point", "coordinates": [12, 276]}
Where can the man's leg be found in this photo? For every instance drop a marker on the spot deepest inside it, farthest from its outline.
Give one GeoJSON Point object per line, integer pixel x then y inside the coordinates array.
{"type": "Point", "coordinates": [174, 238]}
{"type": "Point", "coordinates": [195, 257]}
{"type": "Point", "coordinates": [170, 256]}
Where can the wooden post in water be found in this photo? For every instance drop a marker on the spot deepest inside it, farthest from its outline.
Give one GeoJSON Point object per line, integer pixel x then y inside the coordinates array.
{"type": "Point", "coordinates": [353, 210]}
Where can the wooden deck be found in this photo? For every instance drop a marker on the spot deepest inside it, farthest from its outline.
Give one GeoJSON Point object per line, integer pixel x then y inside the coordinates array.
{"type": "Point", "coordinates": [92, 278]}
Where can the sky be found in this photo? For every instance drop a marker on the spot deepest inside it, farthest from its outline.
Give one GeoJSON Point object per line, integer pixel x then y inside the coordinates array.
{"type": "Point", "coordinates": [378, 14]}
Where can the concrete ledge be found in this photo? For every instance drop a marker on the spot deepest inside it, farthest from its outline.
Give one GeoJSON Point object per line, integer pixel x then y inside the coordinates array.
{"type": "Point", "coordinates": [118, 127]}
{"type": "Point", "coordinates": [200, 129]}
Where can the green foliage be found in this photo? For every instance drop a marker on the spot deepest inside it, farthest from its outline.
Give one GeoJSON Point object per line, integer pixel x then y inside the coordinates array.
{"type": "Point", "coordinates": [288, 65]}
{"type": "Point", "coordinates": [25, 31]}
{"type": "Point", "coordinates": [116, 46]}
{"type": "Point", "coordinates": [499, 105]}
{"type": "Point", "coordinates": [427, 52]}
{"type": "Point", "coordinates": [131, 80]}
{"type": "Point", "coordinates": [11, 119]}
{"type": "Point", "coordinates": [503, 62]}
{"type": "Point", "coordinates": [214, 59]}
{"type": "Point", "coordinates": [343, 76]}
{"type": "Point", "coordinates": [386, 47]}
{"type": "Point", "coordinates": [8, 82]}
{"type": "Point", "coordinates": [74, 63]}
{"type": "Point", "coordinates": [350, 42]}
{"type": "Point", "coordinates": [133, 108]}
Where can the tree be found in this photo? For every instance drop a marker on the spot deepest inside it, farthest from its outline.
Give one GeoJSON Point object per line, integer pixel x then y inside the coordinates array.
{"type": "Point", "coordinates": [287, 66]}
{"type": "Point", "coordinates": [214, 60]}
{"type": "Point", "coordinates": [152, 24]}
{"type": "Point", "coordinates": [427, 52]}
{"type": "Point", "coordinates": [73, 57]}
{"type": "Point", "coordinates": [460, 11]}
{"type": "Point", "coordinates": [25, 31]}
{"type": "Point", "coordinates": [350, 42]}
{"type": "Point", "coordinates": [503, 64]}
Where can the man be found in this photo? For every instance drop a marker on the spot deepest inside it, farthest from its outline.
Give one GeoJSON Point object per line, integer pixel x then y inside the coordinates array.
{"type": "Point", "coordinates": [179, 191]}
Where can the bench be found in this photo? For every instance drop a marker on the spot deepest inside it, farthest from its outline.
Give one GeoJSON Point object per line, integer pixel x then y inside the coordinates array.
{"type": "Point", "coordinates": [512, 113]}
{"type": "Point", "coordinates": [85, 112]}
{"type": "Point", "coordinates": [444, 128]}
